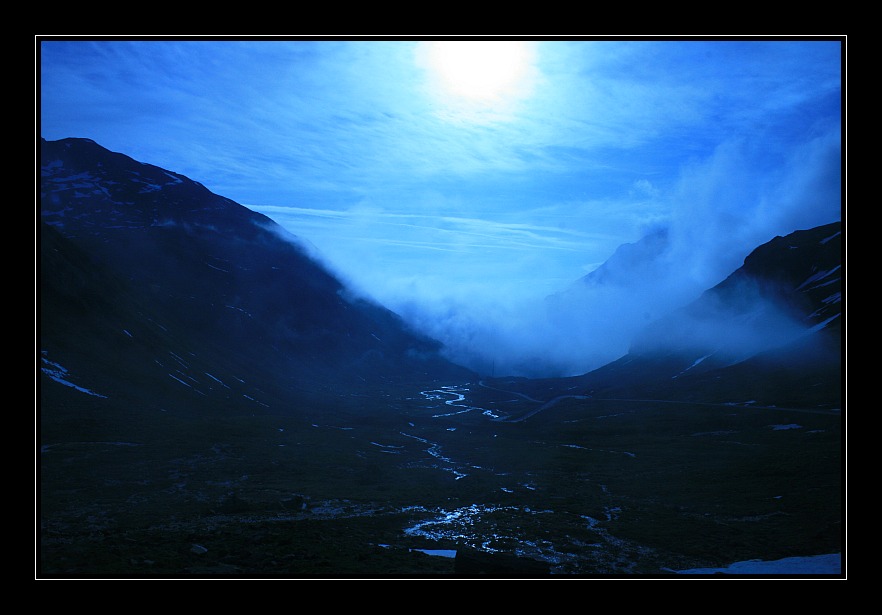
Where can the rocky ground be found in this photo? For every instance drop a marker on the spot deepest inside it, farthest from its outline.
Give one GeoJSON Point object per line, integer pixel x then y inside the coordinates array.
{"type": "Point", "coordinates": [584, 488]}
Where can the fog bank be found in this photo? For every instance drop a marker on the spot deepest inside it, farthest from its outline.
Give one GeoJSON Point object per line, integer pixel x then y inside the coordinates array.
{"type": "Point", "coordinates": [540, 293]}
{"type": "Point", "coordinates": [722, 209]}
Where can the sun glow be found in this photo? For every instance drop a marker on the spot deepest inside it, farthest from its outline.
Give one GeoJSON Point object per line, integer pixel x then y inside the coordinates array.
{"type": "Point", "coordinates": [479, 74]}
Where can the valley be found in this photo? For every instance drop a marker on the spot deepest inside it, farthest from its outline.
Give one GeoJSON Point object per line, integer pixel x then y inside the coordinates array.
{"type": "Point", "coordinates": [587, 487]}
{"type": "Point", "coordinates": [214, 402]}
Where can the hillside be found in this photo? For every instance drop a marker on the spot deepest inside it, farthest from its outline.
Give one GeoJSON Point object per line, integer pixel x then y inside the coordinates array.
{"type": "Point", "coordinates": [147, 274]}
{"type": "Point", "coordinates": [214, 403]}
{"type": "Point", "coordinates": [768, 335]}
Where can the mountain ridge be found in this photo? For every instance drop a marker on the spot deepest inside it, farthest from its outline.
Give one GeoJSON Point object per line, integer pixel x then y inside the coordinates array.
{"type": "Point", "coordinates": [769, 334]}
{"type": "Point", "coordinates": [215, 272]}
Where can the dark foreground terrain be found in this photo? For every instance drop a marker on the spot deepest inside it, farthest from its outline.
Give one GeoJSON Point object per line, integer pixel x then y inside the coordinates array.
{"type": "Point", "coordinates": [214, 402]}
{"type": "Point", "coordinates": [584, 487]}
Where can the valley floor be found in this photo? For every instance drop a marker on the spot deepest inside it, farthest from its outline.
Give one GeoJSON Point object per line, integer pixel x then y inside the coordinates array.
{"type": "Point", "coordinates": [364, 486]}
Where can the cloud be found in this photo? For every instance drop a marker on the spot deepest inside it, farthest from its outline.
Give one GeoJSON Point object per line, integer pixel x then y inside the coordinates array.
{"type": "Point", "coordinates": [733, 325]}
{"type": "Point", "coordinates": [741, 197]}
{"type": "Point", "coordinates": [481, 284]}
{"type": "Point", "coordinates": [466, 227]}
{"type": "Point", "coordinates": [720, 212]}
{"type": "Point", "coordinates": [644, 188]}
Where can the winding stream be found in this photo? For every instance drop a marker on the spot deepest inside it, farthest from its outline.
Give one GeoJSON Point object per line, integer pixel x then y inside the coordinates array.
{"type": "Point", "coordinates": [458, 393]}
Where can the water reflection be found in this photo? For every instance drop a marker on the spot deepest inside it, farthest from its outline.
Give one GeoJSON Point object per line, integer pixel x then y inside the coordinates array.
{"type": "Point", "coordinates": [458, 393]}
{"type": "Point", "coordinates": [459, 524]}
{"type": "Point", "coordinates": [434, 449]}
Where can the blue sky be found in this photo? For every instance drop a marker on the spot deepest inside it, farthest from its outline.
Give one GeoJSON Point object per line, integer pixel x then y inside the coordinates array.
{"type": "Point", "coordinates": [461, 183]}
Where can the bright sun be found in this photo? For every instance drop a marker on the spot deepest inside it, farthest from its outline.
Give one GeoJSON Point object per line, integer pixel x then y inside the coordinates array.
{"type": "Point", "coordinates": [480, 73]}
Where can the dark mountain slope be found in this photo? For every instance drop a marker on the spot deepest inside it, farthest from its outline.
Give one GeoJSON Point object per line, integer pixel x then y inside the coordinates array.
{"type": "Point", "coordinates": [785, 287]}
{"type": "Point", "coordinates": [145, 274]}
{"type": "Point", "coordinates": [770, 334]}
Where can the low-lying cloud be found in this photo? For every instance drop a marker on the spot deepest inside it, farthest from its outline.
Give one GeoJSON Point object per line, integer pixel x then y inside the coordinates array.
{"type": "Point", "coordinates": [496, 294]}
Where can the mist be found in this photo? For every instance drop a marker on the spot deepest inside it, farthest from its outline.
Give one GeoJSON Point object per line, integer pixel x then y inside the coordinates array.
{"type": "Point", "coordinates": [504, 319]}
{"type": "Point", "coordinates": [731, 325]}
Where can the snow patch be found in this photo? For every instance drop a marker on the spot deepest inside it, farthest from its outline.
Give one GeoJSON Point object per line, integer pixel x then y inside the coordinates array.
{"type": "Point", "coordinates": [818, 564]}
{"type": "Point", "coordinates": [58, 373]}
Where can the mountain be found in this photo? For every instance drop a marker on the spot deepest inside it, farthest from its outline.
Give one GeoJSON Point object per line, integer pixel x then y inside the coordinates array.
{"type": "Point", "coordinates": [214, 402]}
{"type": "Point", "coordinates": [787, 288]}
{"type": "Point", "coordinates": [147, 277]}
{"type": "Point", "coordinates": [639, 283]}
{"type": "Point", "coordinates": [769, 334]}
{"type": "Point", "coordinates": [630, 261]}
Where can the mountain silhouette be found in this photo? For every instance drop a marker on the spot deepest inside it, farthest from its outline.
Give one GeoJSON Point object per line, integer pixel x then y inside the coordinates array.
{"type": "Point", "coordinates": [145, 275]}
{"type": "Point", "coordinates": [769, 334]}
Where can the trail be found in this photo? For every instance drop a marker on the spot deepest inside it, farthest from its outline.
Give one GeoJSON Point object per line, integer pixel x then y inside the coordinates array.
{"type": "Point", "coordinates": [738, 405]}
{"type": "Point", "coordinates": [521, 395]}
{"type": "Point", "coordinates": [544, 405]}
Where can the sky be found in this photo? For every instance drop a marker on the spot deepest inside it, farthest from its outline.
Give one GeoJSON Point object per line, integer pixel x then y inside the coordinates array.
{"type": "Point", "coordinates": [462, 182]}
